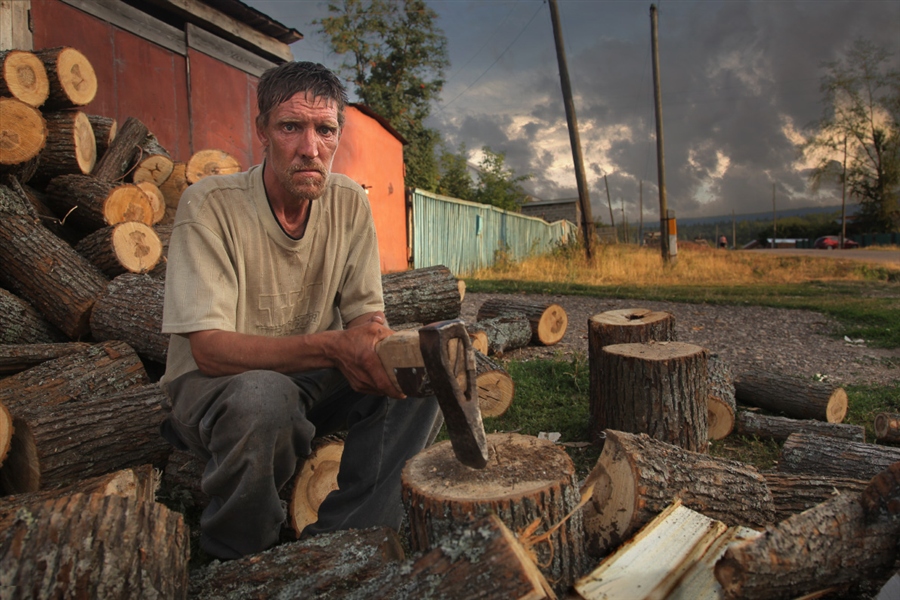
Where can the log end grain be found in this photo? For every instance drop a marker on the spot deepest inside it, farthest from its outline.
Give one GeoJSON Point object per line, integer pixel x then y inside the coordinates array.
{"type": "Point", "coordinates": [127, 203]}
{"type": "Point", "coordinates": [630, 317]}
{"type": "Point", "coordinates": [23, 132]}
{"type": "Point", "coordinates": [76, 76]}
{"type": "Point", "coordinates": [210, 162]}
{"type": "Point", "coordinates": [552, 325]}
{"type": "Point", "coordinates": [721, 418]}
{"type": "Point", "coordinates": [25, 77]}
{"type": "Point", "coordinates": [156, 198]}
{"type": "Point", "coordinates": [6, 432]}
{"type": "Point", "coordinates": [496, 390]}
{"type": "Point", "coordinates": [836, 409]}
{"type": "Point", "coordinates": [317, 478]}
{"type": "Point", "coordinates": [154, 169]}
{"type": "Point", "coordinates": [21, 470]}
{"type": "Point", "coordinates": [136, 246]}
{"type": "Point", "coordinates": [887, 427]}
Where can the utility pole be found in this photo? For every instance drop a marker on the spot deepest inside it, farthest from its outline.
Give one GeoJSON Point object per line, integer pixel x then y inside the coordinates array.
{"type": "Point", "coordinates": [612, 220]}
{"type": "Point", "coordinates": [733, 231]}
{"type": "Point", "coordinates": [660, 159]}
{"type": "Point", "coordinates": [641, 211]}
{"type": "Point", "coordinates": [584, 200]}
{"type": "Point", "coordinates": [624, 221]}
{"type": "Point", "coordinates": [774, 218]}
{"type": "Point", "coordinates": [844, 196]}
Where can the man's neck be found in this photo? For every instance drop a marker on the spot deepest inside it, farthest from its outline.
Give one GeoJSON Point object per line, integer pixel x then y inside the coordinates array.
{"type": "Point", "coordinates": [292, 214]}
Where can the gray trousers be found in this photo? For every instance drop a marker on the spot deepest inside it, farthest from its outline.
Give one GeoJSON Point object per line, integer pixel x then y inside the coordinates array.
{"type": "Point", "coordinates": [252, 428]}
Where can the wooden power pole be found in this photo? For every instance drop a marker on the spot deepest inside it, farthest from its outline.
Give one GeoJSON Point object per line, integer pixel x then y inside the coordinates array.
{"type": "Point", "coordinates": [660, 158]}
{"type": "Point", "coordinates": [584, 200]}
{"type": "Point", "coordinates": [774, 219]}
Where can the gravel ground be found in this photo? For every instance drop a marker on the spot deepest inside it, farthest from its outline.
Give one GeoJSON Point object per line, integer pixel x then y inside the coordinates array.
{"type": "Point", "coordinates": [800, 342]}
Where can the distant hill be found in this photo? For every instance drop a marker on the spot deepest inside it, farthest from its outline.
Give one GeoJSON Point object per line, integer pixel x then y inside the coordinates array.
{"type": "Point", "coordinates": [767, 216]}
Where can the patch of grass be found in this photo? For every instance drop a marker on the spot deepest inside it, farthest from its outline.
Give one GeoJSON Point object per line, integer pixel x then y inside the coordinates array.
{"type": "Point", "coordinates": [865, 402]}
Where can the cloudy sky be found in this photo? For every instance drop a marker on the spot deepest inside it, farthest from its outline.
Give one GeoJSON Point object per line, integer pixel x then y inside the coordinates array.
{"type": "Point", "coordinates": [740, 84]}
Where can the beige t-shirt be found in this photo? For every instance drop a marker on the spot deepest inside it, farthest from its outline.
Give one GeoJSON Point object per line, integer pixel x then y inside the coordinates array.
{"type": "Point", "coordinates": [231, 267]}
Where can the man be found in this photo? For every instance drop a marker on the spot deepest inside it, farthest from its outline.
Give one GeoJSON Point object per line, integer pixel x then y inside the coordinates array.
{"type": "Point", "coordinates": [274, 303]}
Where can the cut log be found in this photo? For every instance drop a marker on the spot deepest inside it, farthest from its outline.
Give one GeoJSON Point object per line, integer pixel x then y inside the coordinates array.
{"type": "Point", "coordinates": [14, 202]}
{"type": "Point", "coordinates": [181, 478]}
{"type": "Point", "coordinates": [721, 405]}
{"type": "Point", "coordinates": [153, 163]}
{"type": "Point", "coordinates": [835, 457]}
{"type": "Point", "coordinates": [547, 321]}
{"type": "Point", "coordinates": [21, 323]}
{"type": "Point", "coordinates": [506, 332]}
{"type": "Point", "coordinates": [527, 483]}
{"type": "Point", "coordinates": [172, 188]}
{"type": "Point", "coordinates": [479, 338]}
{"type": "Point", "coordinates": [496, 388]}
{"type": "Point", "coordinates": [44, 213]}
{"type": "Point", "coordinates": [6, 433]}
{"type": "Point", "coordinates": [421, 295]}
{"type": "Point", "coordinates": [113, 165]}
{"type": "Point", "coordinates": [792, 494]}
{"type": "Point", "coordinates": [89, 204]}
{"type": "Point", "coordinates": [751, 423]}
{"type": "Point", "coordinates": [791, 396]}
{"type": "Point", "coordinates": [100, 430]}
{"type": "Point", "coordinates": [16, 357]}
{"type": "Point", "coordinates": [132, 309]}
{"type": "Point", "coordinates": [316, 479]}
{"type": "Point", "coordinates": [23, 134]}
{"type": "Point", "coordinates": [849, 539]}
{"type": "Point", "coordinates": [157, 201]}
{"type": "Point", "coordinates": [657, 388]}
{"type": "Point", "coordinates": [70, 147]}
{"type": "Point", "coordinates": [164, 233]}
{"type": "Point", "coordinates": [95, 546]}
{"type": "Point", "coordinates": [129, 247]}
{"type": "Point", "coordinates": [72, 79]}
{"type": "Point", "coordinates": [636, 477]}
{"type": "Point", "coordinates": [887, 428]}
{"type": "Point", "coordinates": [23, 77]}
{"type": "Point", "coordinates": [105, 129]}
{"type": "Point", "coordinates": [48, 273]}
{"type": "Point", "coordinates": [327, 566]}
{"type": "Point", "coordinates": [210, 162]}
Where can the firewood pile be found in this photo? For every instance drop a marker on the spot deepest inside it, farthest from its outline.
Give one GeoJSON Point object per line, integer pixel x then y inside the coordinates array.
{"type": "Point", "coordinates": [85, 216]}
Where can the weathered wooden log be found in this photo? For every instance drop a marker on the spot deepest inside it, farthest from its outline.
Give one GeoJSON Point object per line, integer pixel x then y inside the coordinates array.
{"type": "Point", "coordinates": [791, 396]}
{"type": "Point", "coordinates": [129, 247]}
{"type": "Point", "coordinates": [548, 321]}
{"type": "Point", "coordinates": [210, 162]}
{"type": "Point", "coordinates": [181, 478]}
{"type": "Point", "coordinates": [65, 445]}
{"type": "Point", "coordinates": [88, 204]}
{"type": "Point", "coordinates": [721, 405]}
{"type": "Point", "coordinates": [23, 77]}
{"type": "Point", "coordinates": [751, 423]}
{"type": "Point", "coordinates": [105, 130]}
{"type": "Point", "coordinates": [153, 163]}
{"type": "Point", "coordinates": [24, 134]}
{"type": "Point", "coordinates": [6, 432]}
{"type": "Point", "coordinates": [849, 539]}
{"type": "Point", "coordinates": [172, 188]}
{"type": "Point", "coordinates": [43, 212]}
{"type": "Point", "coordinates": [421, 295]}
{"type": "Point", "coordinates": [636, 477]}
{"type": "Point", "coordinates": [157, 201]}
{"type": "Point", "coordinates": [506, 332]}
{"type": "Point", "coordinates": [132, 309]}
{"type": "Point", "coordinates": [528, 483]}
{"type": "Point", "coordinates": [13, 200]}
{"type": "Point", "coordinates": [70, 147]}
{"type": "Point", "coordinates": [73, 82]}
{"type": "Point", "coordinates": [95, 546]}
{"type": "Point", "coordinates": [113, 165]}
{"type": "Point", "coordinates": [21, 323]}
{"type": "Point", "coordinates": [887, 428]}
{"type": "Point", "coordinates": [316, 479]}
{"type": "Point", "coordinates": [16, 357]}
{"type": "Point", "coordinates": [496, 388]}
{"type": "Point", "coordinates": [327, 566]}
{"type": "Point", "coordinates": [835, 457]}
{"type": "Point", "coordinates": [657, 388]}
{"type": "Point", "coordinates": [42, 269]}
{"type": "Point", "coordinates": [164, 233]}
{"type": "Point", "coordinates": [792, 494]}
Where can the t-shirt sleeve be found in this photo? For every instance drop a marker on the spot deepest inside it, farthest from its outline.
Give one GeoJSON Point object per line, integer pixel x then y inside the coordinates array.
{"type": "Point", "coordinates": [361, 287]}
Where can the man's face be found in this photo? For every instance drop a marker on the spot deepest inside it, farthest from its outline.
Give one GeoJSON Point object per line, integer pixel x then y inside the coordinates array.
{"type": "Point", "coordinates": [300, 140]}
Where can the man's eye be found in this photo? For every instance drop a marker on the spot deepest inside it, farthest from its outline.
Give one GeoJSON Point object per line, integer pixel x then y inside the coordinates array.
{"type": "Point", "coordinates": [289, 127]}
{"type": "Point", "coordinates": [326, 131]}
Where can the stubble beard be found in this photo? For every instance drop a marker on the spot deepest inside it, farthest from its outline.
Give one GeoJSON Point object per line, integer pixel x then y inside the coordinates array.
{"type": "Point", "coordinates": [303, 188]}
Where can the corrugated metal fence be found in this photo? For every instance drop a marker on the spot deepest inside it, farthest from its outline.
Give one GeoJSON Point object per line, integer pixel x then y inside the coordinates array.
{"type": "Point", "coordinates": [465, 236]}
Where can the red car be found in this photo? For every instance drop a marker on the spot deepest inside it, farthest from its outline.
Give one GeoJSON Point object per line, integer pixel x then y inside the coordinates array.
{"type": "Point", "coordinates": [830, 242]}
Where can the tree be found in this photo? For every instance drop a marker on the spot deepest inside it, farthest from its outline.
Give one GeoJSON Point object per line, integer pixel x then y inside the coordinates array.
{"type": "Point", "coordinates": [396, 56]}
{"type": "Point", "coordinates": [455, 180]}
{"type": "Point", "coordinates": [861, 98]}
{"type": "Point", "coordinates": [497, 184]}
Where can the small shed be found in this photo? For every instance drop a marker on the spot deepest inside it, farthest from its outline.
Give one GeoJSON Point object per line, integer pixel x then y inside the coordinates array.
{"type": "Point", "coordinates": [553, 210]}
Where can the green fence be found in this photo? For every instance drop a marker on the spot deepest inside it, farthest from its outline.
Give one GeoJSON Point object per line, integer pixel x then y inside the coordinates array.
{"type": "Point", "coordinates": [466, 236]}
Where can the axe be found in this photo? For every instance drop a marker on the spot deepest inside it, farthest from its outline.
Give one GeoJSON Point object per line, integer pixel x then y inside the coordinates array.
{"type": "Point", "coordinates": [439, 359]}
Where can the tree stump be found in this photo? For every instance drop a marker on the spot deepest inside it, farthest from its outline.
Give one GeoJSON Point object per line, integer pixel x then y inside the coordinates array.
{"type": "Point", "coordinates": [779, 428]}
{"type": "Point", "coordinates": [721, 405]}
{"type": "Point", "coordinates": [527, 483]}
{"type": "Point", "coordinates": [129, 247]}
{"type": "Point", "coordinates": [496, 388]}
{"type": "Point", "coordinates": [657, 388]}
{"type": "Point", "coordinates": [887, 428]}
{"type": "Point", "coordinates": [636, 477]}
{"type": "Point", "coordinates": [791, 396]}
{"type": "Point", "coordinates": [113, 164]}
{"type": "Point", "coordinates": [23, 77]}
{"type": "Point", "coordinates": [210, 162]}
{"type": "Point", "coordinates": [132, 309]}
{"type": "Point", "coordinates": [73, 82]}
{"type": "Point", "coordinates": [70, 147]}
{"type": "Point", "coordinates": [421, 295]}
{"type": "Point", "coordinates": [105, 129]}
{"type": "Point", "coordinates": [153, 163]}
{"type": "Point", "coordinates": [20, 323]}
{"type": "Point", "coordinates": [508, 331]}
{"type": "Point", "coordinates": [95, 546]}
{"type": "Point", "coordinates": [316, 479]}
{"type": "Point", "coordinates": [24, 134]}
{"type": "Point", "coordinates": [834, 457]}
{"type": "Point", "coordinates": [15, 358]}
{"type": "Point", "coordinates": [88, 204]}
{"type": "Point", "coordinates": [792, 494]}
{"type": "Point", "coordinates": [547, 321]}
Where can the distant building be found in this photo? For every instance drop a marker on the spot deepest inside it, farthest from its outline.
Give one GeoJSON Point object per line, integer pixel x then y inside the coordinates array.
{"type": "Point", "coordinates": [553, 210]}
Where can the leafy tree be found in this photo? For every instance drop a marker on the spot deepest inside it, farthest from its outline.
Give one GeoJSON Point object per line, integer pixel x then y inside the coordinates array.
{"type": "Point", "coordinates": [498, 184]}
{"type": "Point", "coordinates": [861, 97]}
{"type": "Point", "coordinates": [396, 56]}
{"type": "Point", "coordinates": [455, 180]}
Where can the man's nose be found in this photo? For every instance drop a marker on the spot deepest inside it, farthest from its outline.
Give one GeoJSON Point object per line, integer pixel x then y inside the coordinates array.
{"type": "Point", "coordinates": [308, 143]}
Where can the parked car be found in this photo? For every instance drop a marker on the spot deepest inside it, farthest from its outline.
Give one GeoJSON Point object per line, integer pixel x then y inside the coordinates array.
{"type": "Point", "coordinates": [830, 242]}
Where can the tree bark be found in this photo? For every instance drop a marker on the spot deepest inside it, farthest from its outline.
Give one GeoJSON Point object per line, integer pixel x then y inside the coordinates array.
{"type": "Point", "coordinates": [129, 247]}
{"type": "Point", "coordinates": [70, 148]}
{"type": "Point", "coordinates": [105, 129]}
{"type": "Point", "coordinates": [95, 546]}
{"type": "Point", "coordinates": [658, 388]}
{"type": "Point", "coordinates": [153, 163]}
{"type": "Point", "coordinates": [834, 457]}
{"type": "Point", "coordinates": [20, 323]}
{"type": "Point", "coordinates": [547, 321]}
{"type": "Point", "coordinates": [182, 475]}
{"type": "Point", "coordinates": [421, 296]}
{"type": "Point", "coordinates": [15, 358]}
{"type": "Point", "coordinates": [496, 388]}
{"type": "Point", "coordinates": [164, 233]}
{"type": "Point", "coordinates": [721, 404]}
{"type": "Point", "coordinates": [73, 82]}
{"type": "Point", "coordinates": [23, 77]}
{"type": "Point", "coordinates": [118, 158]}
{"type": "Point", "coordinates": [24, 134]}
{"type": "Point", "coordinates": [887, 428]}
{"type": "Point", "coordinates": [506, 332]}
{"type": "Point", "coordinates": [793, 494]}
{"type": "Point", "coordinates": [637, 477]}
{"type": "Point", "coordinates": [88, 204]}
{"type": "Point", "coordinates": [210, 162]}
{"type": "Point", "coordinates": [779, 428]}
{"type": "Point", "coordinates": [848, 539]}
{"type": "Point", "coordinates": [527, 482]}
{"type": "Point", "coordinates": [132, 309]}
{"type": "Point", "coordinates": [791, 396]}
{"type": "Point", "coordinates": [48, 273]}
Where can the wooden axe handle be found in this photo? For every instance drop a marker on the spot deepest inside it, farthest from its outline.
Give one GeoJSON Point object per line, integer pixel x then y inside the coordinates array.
{"type": "Point", "coordinates": [402, 359]}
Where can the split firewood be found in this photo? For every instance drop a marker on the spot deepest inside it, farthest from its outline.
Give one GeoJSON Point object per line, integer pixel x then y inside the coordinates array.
{"type": "Point", "coordinates": [792, 494]}
{"type": "Point", "coordinates": [506, 332]}
{"type": "Point", "coordinates": [61, 446]}
{"type": "Point", "coordinates": [156, 198]}
{"type": "Point", "coordinates": [847, 540]}
{"type": "Point", "coordinates": [172, 188]}
{"type": "Point", "coordinates": [105, 129]}
{"type": "Point", "coordinates": [496, 388]}
{"type": "Point", "coordinates": [6, 432]}
{"type": "Point", "coordinates": [478, 337]}
{"type": "Point", "coordinates": [21, 323]}
{"type": "Point", "coordinates": [721, 405]}
{"type": "Point", "coordinates": [48, 273]}
{"type": "Point", "coordinates": [132, 309]}
{"type": "Point", "coordinates": [73, 82]}
{"type": "Point", "coordinates": [548, 321]}
{"type": "Point", "coordinates": [327, 566]}
{"type": "Point", "coordinates": [70, 147]}
{"type": "Point", "coordinates": [636, 477]}
{"type": "Point", "coordinates": [24, 134]}
{"type": "Point", "coordinates": [835, 457]}
{"type": "Point", "coordinates": [88, 204]}
{"type": "Point", "coordinates": [658, 388]}
{"type": "Point", "coordinates": [528, 483]}
{"type": "Point", "coordinates": [23, 77]}
{"type": "Point", "coordinates": [153, 163]}
{"type": "Point", "coordinates": [16, 357]}
{"type": "Point", "coordinates": [421, 295]}
{"type": "Point", "coordinates": [129, 247]}
{"type": "Point", "coordinates": [887, 428]}
{"type": "Point", "coordinates": [95, 546]}
{"type": "Point", "coordinates": [316, 479]}
{"type": "Point", "coordinates": [114, 164]}
{"type": "Point", "coordinates": [792, 396]}
{"type": "Point", "coordinates": [751, 423]}
{"type": "Point", "coordinates": [210, 162]}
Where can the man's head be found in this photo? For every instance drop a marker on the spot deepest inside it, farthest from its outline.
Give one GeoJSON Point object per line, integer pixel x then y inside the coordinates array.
{"type": "Point", "coordinates": [280, 83]}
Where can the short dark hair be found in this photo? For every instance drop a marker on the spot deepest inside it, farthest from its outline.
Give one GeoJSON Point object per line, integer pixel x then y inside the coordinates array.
{"type": "Point", "coordinates": [280, 83]}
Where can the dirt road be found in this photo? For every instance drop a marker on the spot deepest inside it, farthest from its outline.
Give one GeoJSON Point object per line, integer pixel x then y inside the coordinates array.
{"type": "Point", "coordinates": [889, 258]}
